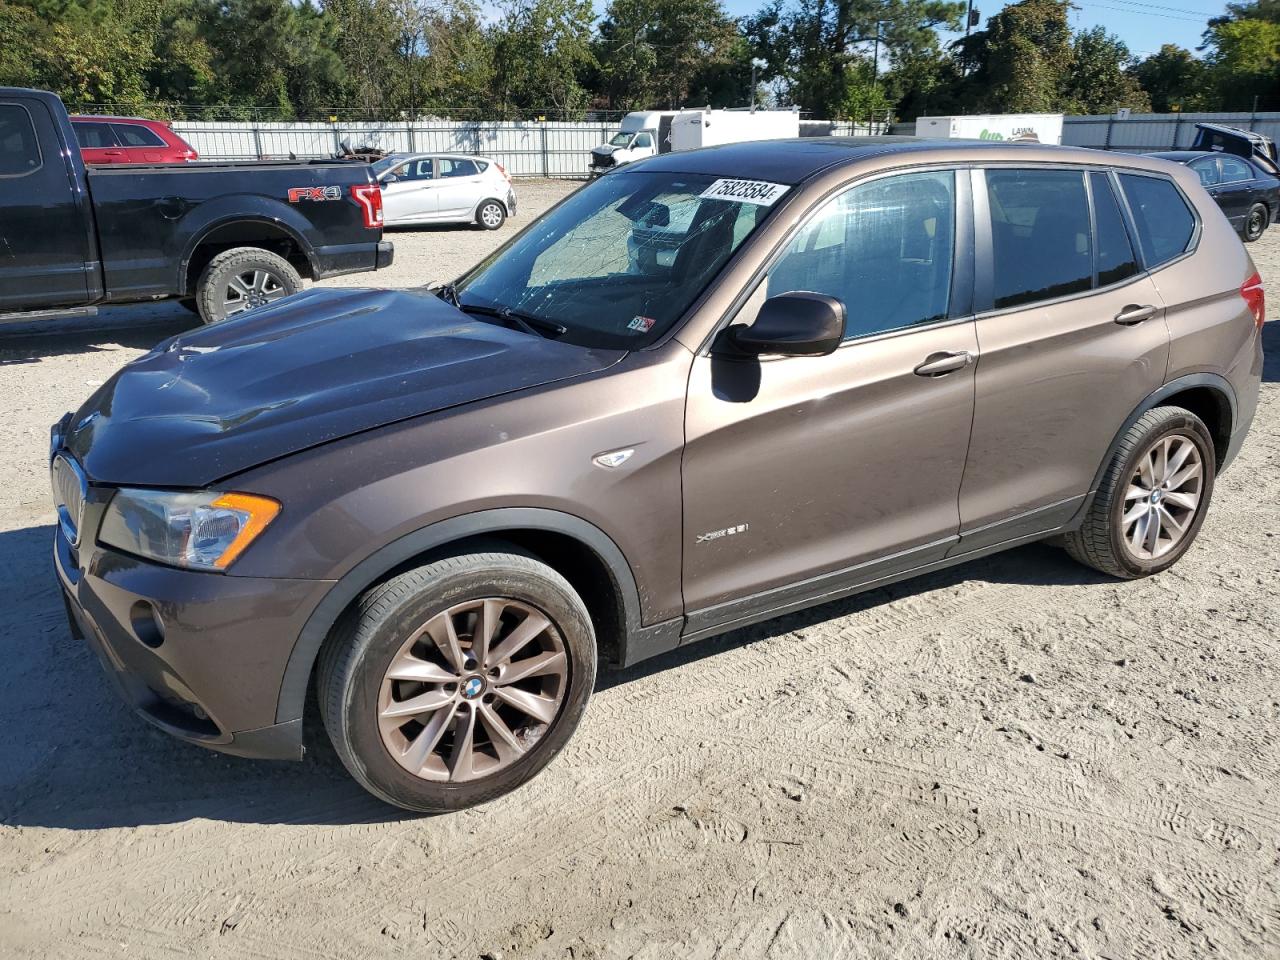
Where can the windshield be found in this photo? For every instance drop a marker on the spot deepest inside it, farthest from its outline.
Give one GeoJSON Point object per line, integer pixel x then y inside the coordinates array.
{"type": "Point", "coordinates": [385, 164]}
{"type": "Point", "coordinates": [619, 261]}
{"type": "Point", "coordinates": [621, 139]}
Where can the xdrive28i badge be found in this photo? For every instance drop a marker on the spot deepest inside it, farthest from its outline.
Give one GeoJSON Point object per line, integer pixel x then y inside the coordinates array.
{"type": "Point", "coordinates": [725, 532]}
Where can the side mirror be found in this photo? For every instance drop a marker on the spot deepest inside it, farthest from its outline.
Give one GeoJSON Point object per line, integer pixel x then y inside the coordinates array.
{"type": "Point", "coordinates": [390, 178]}
{"type": "Point", "coordinates": [797, 324]}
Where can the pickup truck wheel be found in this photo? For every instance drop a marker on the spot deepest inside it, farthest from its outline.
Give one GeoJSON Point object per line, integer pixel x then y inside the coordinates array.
{"type": "Point", "coordinates": [491, 215]}
{"type": "Point", "coordinates": [1255, 223]}
{"type": "Point", "coordinates": [455, 682]}
{"type": "Point", "coordinates": [242, 279]}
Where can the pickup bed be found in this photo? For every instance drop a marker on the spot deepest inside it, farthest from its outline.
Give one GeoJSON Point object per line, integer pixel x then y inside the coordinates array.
{"type": "Point", "coordinates": [222, 237]}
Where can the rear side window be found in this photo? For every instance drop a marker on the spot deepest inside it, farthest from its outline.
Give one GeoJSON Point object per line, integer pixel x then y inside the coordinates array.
{"type": "Point", "coordinates": [1235, 170]}
{"type": "Point", "coordinates": [457, 168]}
{"type": "Point", "coordinates": [1040, 235]}
{"type": "Point", "coordinates": [1165, 223]}
{"type": "Point", "coordinates": [1207, 171]}
{"type": "Point", "coordinates": [883, 248]}
{"type": "Point", "coordinates": [136, 135]}
{"type": "Point", "coordinates": [19, 149]}
{"type": "Point", "coordinates": [1116, 257]}
{"type": "Point", "coordinates": [94, 135]}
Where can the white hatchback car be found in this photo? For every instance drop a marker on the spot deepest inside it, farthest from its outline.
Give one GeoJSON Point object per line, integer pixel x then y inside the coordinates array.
{"type": "Point", "coordinates": [426, 188]}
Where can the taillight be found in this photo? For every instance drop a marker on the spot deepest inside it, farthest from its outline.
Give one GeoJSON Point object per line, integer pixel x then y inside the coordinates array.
{"type": "Point", "coordinates": [1255, 298]}
{"type": "Point", "coordinates": [369, 196]}
{"type": "Point", "coordinates": [503, 170]}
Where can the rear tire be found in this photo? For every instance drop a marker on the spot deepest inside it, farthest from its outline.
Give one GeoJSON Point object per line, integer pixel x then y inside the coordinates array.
{"type": "Point", "coordinates": [243, 279]}
{"type": "Point", "coordinates": [1148, 510]}
{"type": "Point", "coordinates": [1255, 222]}
{"type": "Point", "coordinates": [387, 685]}
{"type": "Point", "coordinates": [491, 215]}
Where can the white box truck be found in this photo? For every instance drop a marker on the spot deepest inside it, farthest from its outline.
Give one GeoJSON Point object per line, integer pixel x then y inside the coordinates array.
{"type": "Point", "coordinates": [646, 133]}
{"type": "Point", "coordinates": [1035, 127]}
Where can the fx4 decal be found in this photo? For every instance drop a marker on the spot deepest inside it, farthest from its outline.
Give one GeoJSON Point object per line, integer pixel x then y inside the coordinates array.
{"type": "Point", "coordinates": [314, 193]}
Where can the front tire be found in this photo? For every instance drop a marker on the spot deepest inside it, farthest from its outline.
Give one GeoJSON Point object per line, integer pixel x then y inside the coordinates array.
{"type": "Point", "coordinates": [455, 682]}
{"type": "Point", "coordinates": [1152, 499]}
{"type": "Point", "coordinates": [243, 279]}
{"type": "Point", "coordinates": [1255, 223]}
{"type": "Point", "coordinates": [491, 215]}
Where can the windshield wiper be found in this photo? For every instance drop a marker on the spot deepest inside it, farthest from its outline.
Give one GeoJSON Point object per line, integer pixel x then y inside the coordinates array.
{"type": "Point", "coordinates": [527, 322]}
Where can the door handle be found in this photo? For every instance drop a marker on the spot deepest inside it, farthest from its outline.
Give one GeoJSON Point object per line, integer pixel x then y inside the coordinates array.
{"type": "Point", "coordinates": [939, 364]}
{"type": "Point", "coordinates": [1135, 314]}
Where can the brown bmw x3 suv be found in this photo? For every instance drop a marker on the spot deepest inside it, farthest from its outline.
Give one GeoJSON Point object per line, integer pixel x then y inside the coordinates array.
{"type": "Point", "coordinates": [704, 390]}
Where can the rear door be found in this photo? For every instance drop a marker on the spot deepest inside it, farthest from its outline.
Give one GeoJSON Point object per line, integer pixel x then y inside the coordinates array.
{"type": "Point", "coordinates": [1072, 338]}
{"type": "Point", "coordinates": [460, 187]}
{"type": "Point", "coordinates": [1237, 190]}
{"type": "Point", "coordinates": [98, 143]}
{"type": "Point", "coordinates": [805, 475]}
{"type": "Point", "coordinates": [44, 227]}
{"type": "Point", "coordinates": [140, 144]}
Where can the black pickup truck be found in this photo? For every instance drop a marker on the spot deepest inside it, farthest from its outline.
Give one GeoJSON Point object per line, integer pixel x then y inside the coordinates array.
{"type": "Point", "coordinates": [221, 237]}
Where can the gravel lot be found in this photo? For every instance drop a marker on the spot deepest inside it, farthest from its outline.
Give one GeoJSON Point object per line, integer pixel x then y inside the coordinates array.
{"type": "Point", "coordinates": [1015, 758]}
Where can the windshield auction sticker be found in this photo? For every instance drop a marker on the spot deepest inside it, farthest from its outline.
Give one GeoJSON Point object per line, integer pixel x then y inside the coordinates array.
{"type": "Point", "coordinates": [758, 192]}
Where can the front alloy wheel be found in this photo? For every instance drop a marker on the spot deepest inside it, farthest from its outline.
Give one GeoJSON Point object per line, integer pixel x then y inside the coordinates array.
{"type": "Point", "coordinates": [454, 682]}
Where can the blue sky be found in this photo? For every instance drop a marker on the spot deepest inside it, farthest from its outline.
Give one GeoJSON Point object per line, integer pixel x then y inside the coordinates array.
{"type": "Point", "coordinates": [1143, 26]}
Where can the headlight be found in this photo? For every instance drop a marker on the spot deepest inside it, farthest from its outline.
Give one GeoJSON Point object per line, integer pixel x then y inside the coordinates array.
{"type": "Point", "coordinates": [203, 531]}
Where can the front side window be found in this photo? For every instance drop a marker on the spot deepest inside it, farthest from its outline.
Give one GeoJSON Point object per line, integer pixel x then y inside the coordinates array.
{"type": "Point", "coordinates": [1040, 235]}
{"type": "Point", "coordinates": [1235, 170]}
{"type": "Point", "coordinates": [883, 248]}
{"type": "Point", "coordinates": [623, 258]}
{"type": "Point", "coordinates": [19, 149]}
{"type": "Point", "coordinates": [1207, 171]}
{"type": "Point", "coordinates": [644, 140]}
{"type": "Point", "coordinates": [1165, 223]}
{"type": "Point", "coordinates": [136, 135]}
{"type": "Point", "coordinates": [94, 135]}
{"type": "Point", "coordinates": [1116, 258]}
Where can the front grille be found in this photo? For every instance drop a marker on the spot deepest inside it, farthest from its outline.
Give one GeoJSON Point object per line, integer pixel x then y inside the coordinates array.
{"type": "Point", "coordinates": [69, 490]}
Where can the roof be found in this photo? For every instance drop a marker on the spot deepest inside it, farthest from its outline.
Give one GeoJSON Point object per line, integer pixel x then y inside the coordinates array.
{"type": "Point", "coordinates": [793, 161]}
{"type": "Point", "coordinates": [1182, 156]}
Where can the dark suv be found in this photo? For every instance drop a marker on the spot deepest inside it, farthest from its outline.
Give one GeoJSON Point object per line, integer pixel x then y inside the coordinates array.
{"type": "Point", "coordinates": [861, 361]}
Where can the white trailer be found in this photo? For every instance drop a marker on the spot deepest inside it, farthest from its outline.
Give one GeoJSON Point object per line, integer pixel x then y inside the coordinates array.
{"type": "Point", "coordinates": [691, 129]}
{"type": "Point", "coordinates": [1038, 127]}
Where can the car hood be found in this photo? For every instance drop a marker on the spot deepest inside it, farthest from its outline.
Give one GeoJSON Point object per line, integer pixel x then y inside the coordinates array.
{"type": "Point", "coordinates": [321, 365]}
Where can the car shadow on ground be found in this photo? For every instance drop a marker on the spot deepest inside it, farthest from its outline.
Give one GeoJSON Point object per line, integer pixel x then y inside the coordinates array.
{"type": "Point", "coordinates": [140, 325]}
{"type": "Point", "coordinates": [73, 756]}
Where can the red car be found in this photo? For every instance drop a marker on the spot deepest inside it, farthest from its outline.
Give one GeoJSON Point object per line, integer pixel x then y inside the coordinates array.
{"type": "Point", "coordinates": [129, 140]}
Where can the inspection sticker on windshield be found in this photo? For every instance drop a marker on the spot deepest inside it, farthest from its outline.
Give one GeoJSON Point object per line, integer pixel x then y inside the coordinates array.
{"type": "Point", "coordinates": [759, 192]}
{"type": "Point", "coordinates": [643, 324]}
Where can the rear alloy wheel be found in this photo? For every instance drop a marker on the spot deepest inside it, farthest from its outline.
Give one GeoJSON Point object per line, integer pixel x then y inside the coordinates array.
{"type": "Point", "coordinates": [1152, 499]}
{"type": "Point", "coordinates": [491, 215]}
{"type": "Point", "coordinates": [1255, 222]}
{"type": "Point", "coordinates": [243, 279]}
{"type": "Point", "coordinates": [455, 682]}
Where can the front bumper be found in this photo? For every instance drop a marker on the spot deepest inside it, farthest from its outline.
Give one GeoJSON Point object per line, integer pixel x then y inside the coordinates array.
{"type": "Point", "coordinates": [199, 655]}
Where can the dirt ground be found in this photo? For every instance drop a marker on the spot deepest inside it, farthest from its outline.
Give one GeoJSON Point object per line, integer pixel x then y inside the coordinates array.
{"type": "Point", "coordinates": [1016, 758]}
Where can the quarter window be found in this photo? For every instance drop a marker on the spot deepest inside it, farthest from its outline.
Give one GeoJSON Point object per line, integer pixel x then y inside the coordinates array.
{"type": "Point", "coordinates": [1040, 235]}
{"type": "Point", "coordinates": [136, 135]}
{"type": "Point", "coordinates": [1165, 223]}
{"type": "Point", "coordinates": [19, 150]}
{"type": "Point", "coordinates": [883, 248]}
{"type": "Point", "coordinates": [1116, 259]}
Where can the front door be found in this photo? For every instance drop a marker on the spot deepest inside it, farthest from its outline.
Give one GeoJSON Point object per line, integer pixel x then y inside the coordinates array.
{"type": "Point", "coordinates": [805, 475]}
{"type": "Point", "coordinates": [44, 228]}
{"type": "Point", "coordinates": [1072, 337]}
{"type": "Point", "coordinates": [409, 192]}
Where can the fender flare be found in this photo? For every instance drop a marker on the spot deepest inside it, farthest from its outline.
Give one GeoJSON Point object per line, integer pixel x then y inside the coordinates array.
{"type": "Point", "coordinates": [204, 230]}
{"type": "Point", "coordinates": [1213, 381]}
{"type": "Point", "coordinates": [297, 674]}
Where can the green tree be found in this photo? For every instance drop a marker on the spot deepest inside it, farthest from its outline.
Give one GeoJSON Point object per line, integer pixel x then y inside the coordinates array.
{"type": "Point", "coordinates": [1244, 64]}
{"type": "Point", "coordinates": [1098, 80]}
{"type": "Point", "coordinates": [1173, 78]}
{"type": "Point", "coordinates": [540, 49]}
{"type": "Point", "coordinates": [1021, 58]}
